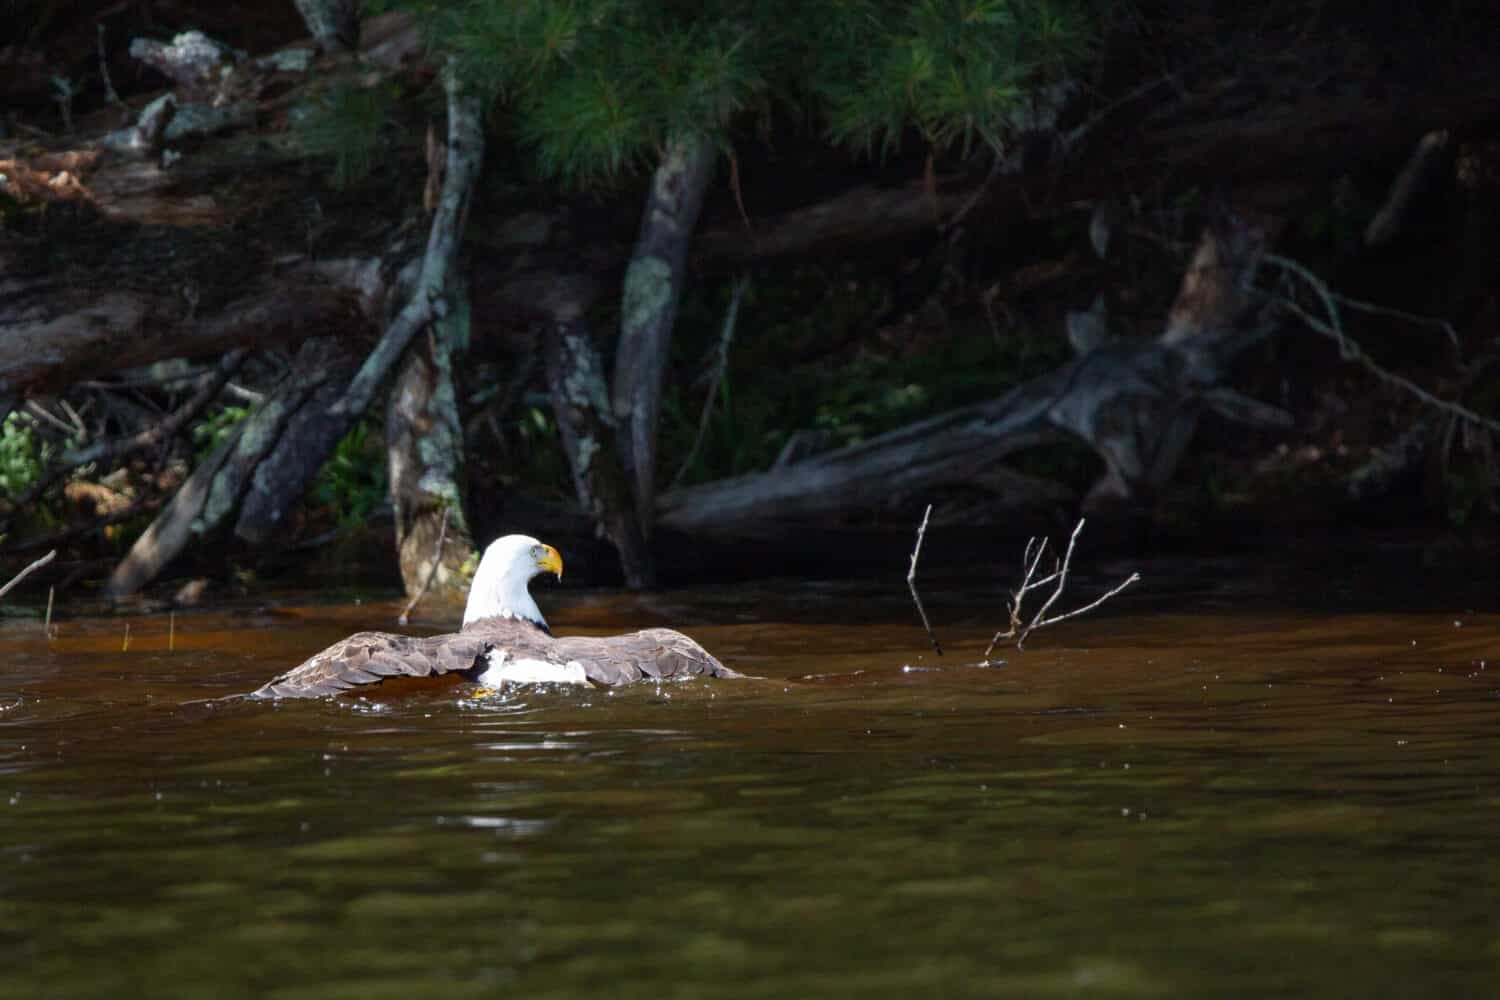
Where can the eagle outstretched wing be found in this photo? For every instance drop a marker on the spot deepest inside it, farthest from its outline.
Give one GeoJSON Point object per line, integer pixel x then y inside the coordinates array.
{"type": "Point", "coordinates": [651, 654]}
{"type": "Point", "coordinates": [370, 657]}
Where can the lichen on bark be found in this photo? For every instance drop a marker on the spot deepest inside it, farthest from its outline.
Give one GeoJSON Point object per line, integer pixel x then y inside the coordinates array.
{"type": "Point", "coordinates": [648, 290]}
{"type": "Point", "coordinates": [424, 442]}
{"type": "Point", "coordinates": [649, 300]}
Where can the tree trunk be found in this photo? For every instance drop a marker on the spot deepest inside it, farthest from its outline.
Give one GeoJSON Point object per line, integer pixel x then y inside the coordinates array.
{"type": "Point", "coordinates": [425, 449]}
{"type": "Point", "coordinates": [648, 308]}
{"type": "Point", "coordinates": [333, 23]}
{"type": "Point", "coordinates": [311, 435]}
{"type": "Point", "coordinates": [942, 451]}
{"type": "Point", "coordinates": [215, 487]}
{"type": "Point", "coordinates": [427, 303]}
{"type": "Point", "coordinates": [575, 376]}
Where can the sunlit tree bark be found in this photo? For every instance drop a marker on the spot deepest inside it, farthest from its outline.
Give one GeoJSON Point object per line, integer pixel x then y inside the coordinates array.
{"type": "Point", "coordinates": [580, 399]}
{"type": "Point", "coordinates": [425, 451]}
{"type": "Point", "coordinates": [648, 309]}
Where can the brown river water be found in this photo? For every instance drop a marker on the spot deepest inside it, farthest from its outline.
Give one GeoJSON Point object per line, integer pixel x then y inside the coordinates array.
{"type": "Point", "coordinates": [1192, 792]}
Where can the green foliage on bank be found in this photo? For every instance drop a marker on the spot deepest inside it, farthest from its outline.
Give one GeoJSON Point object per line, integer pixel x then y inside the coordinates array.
{"type": "Point", "coordinates": [596, 89]}
{"type": "Point", "coordinates": [829, 362]}
{"type": "Point", "coordinates": [352, 484]}
{"type": "Point", "coordinates": [347, 123]}
{"type": "Point", "coordinates": [214, 429]}
{"type": "Point", "coordinates": [23, 455]}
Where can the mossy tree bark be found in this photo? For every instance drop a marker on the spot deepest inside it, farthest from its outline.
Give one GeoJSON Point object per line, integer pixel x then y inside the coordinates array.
{"type": "Point", "coordinates": [428, 302]}
{"type": "Point", "coordinates": [264, 468]}
{"type": "Point", "coordinates": [580, 399]}
{"type": "Point", "coordinates": [217, 486]}
{"type": "Point", "coordinates": [425, 451]}
{"type": "Point", "coordinates": [280, 480]}
{"type": "Point", "coordinates": [648, 309]}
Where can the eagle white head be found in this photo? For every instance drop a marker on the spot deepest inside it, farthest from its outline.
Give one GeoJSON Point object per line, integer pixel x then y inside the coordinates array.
{"type": "Point", "coordinates": [499, 588]}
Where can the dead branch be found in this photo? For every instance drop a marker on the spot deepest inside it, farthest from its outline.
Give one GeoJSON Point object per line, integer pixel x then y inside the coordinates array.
{"type": "Point", "coordinates": [715, 375]}
{"type": "Point", "coordinates": [109, 87]}
{"type": "Point", "coordinates": [45, 415]}
{"type": "Point", "coordinates": [77, 529]}
{"type": "Point", "coordinates": [1419, 166]}
{"type": "Point", "coordinates": [429, 299]}
{"type": "Point", "coordinates": [911, 581]}
{"type": "Point", "coordinates": [164, 430]}
{"type": "Point", "coordinates": [1029, 562]}
{"type": "Point", "coordinates": [218, 485]}
{"type": "Point", "coordinates": [85, 334]}
{"type": "Point", "coordinates": [44, 560]}
{"type": "Point", "coordinates": [1331, 325]}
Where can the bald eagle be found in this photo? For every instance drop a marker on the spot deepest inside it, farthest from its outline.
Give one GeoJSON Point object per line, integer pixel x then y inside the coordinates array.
{"type": "Point", "coordinates": [504, 638]}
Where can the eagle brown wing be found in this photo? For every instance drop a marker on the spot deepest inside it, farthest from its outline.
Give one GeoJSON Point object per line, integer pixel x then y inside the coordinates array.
{"type": "Point", "coordinates": [651, 654]}
{"type": "Point", "coordinates": [368, 658]}
{"type": "Point", "coordinates": [371, 657]}
{"type": "Point", "coordinates": [609, 661]}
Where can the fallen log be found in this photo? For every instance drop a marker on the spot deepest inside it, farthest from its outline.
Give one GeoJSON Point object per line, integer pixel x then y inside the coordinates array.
{"type": "Point", "coordinates": [154, 434]}
{"type": "Point", "coordinates": [51, 337]}
{"type": "Point", "coordinates": [310, 435]}
{"type": "Point", "coordinates": [286, 439]}
{"type": "Point", "coordinates": [214, 489]}
{"type": "Point", "coordinates": [1135, 402]}
{"type": "Point", "coordinates": [886, 470]}
{"type": "Point", "coordinates": [46, 336]}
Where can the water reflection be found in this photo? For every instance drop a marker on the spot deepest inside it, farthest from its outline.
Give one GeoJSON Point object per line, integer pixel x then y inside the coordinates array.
{"type": "Point", "coordinates": [1211, 804]}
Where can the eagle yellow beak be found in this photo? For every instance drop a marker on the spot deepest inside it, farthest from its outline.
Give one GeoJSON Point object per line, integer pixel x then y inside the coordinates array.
{"type": "Point", "coordinates": [551, 561]}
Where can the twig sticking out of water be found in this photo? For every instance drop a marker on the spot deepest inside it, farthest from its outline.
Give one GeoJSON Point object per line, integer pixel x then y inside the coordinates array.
{"type": "Point", "coordinates": [44, 560]}
{"type": "Point", "coordinates": [1035, 548]}
{"type": "Point", "coordinates": [47, 622]}
{"type": "Point", "coordinates": [125, 643]}
{"type": "Point", "coordinates": [911, 581]}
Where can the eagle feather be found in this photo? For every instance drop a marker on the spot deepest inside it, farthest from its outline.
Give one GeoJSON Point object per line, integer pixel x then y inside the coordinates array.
{"type": "Point", "coordinates": [502, 628]}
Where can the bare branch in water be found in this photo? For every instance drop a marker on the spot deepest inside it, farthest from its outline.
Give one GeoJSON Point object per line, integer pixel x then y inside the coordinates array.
{"type": "Point", "coordinates": [911, 581]}
{"type": "Point", "coordinates": [1020, 627]}
{"type": "Point", "coordinates": [1020, 631]}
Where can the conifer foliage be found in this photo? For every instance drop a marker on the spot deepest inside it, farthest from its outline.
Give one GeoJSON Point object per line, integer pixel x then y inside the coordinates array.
{"type": "Point", "coordinates": [599, 86]}
{"type": "Point", "coordinates": [601, 90]}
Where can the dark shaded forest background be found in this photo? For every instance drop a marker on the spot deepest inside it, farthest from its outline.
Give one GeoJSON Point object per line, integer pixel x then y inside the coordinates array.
{"type": "Point", "coordinates": [730, 289]}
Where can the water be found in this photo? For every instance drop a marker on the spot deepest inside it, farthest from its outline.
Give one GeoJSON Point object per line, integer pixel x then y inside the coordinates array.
{"type": "Point", "coordinates": [1218, 803]}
